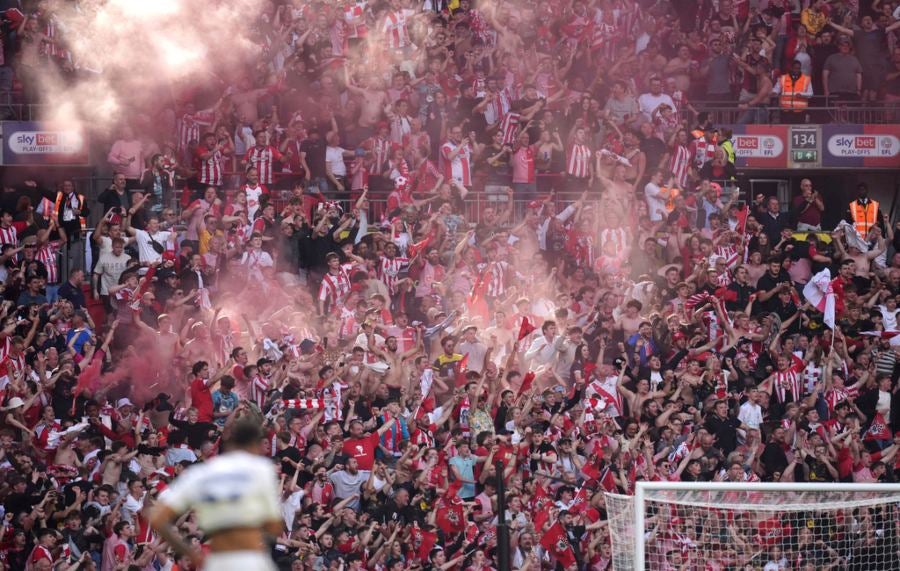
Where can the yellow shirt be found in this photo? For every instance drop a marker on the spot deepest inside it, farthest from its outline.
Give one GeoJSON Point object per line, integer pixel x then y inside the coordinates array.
{"type": "Point", "coordinates": [814, 22]}
{"type": "Point", "coordinates": [204, 237]}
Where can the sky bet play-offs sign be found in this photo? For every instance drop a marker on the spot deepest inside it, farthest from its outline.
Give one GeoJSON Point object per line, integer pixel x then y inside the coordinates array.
{"type": "Point", "coordinates": [816, 146]}
{"type": "Point", "coordinates": [861, 145]}
{"type": "Point", "coordinates": [33, 143]}
{"type": "Point", "coordinates": [760, 146]}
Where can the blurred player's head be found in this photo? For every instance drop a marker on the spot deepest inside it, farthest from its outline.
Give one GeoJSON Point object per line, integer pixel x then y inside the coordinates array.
{"type": "Point", "coordinates": [244, 435]}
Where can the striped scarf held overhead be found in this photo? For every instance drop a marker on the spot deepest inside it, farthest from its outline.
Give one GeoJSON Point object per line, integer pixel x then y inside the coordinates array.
{"type": "Point", "coordinates": [307, 404]}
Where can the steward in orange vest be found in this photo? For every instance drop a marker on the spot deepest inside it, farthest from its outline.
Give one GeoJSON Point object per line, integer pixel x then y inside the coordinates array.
{"type": "Point", "coordinates": [68, 207]}
{"type": "Point", "coordinates": [794, 91]}
{"type": "Point", "coordinates": [863, 212]}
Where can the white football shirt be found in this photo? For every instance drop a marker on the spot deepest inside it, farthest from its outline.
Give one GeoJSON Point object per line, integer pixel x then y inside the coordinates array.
{"type": "Point", "coordinates": [236, 489]}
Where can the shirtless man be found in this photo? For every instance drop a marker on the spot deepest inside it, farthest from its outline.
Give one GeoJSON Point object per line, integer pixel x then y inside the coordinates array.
{"type": "Point", "coordinates": [66, 454]}
{"type": "Point", "coordinates": [168, 342]}
{"type": "Point", "coordinates": [631, 320]}
{"type": "Point", "coordinates": [111, 468]}
{"type": "Point", "coordinates": [201, 346]}
{"type": "Point", "coordinates": [638, 397]}
{"type": "Point", "coordinates": [396, 375]}
{"type": "Point", "coordinates": [373, 100]}
{"type": "Point", "coordinates": [689, 380]}
{"type": "Point", "coordinates": [863, 259]}
{"type": "Point", "coordinates": [617, 187]}
{"type": "Point", "coordinates": [246, 100]}
{"type": "Point", "coordinates": [634, 173]}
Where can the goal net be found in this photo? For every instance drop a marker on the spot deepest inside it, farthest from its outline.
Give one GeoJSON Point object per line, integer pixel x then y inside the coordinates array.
{"type": "Point", "coordinates": [754, 526]}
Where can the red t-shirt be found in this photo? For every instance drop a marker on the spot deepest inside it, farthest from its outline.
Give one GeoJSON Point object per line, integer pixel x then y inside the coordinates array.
{"type": "Point", "coordinates": [363, 449]}
{"type": "Point", "coordinates": [201, 399]}
{"type": "Point", "coordinates": [523, 165]}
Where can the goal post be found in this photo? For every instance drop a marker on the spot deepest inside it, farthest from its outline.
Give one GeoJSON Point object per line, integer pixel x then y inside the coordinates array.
{"type": "Point", "coordinates": [722, 525]}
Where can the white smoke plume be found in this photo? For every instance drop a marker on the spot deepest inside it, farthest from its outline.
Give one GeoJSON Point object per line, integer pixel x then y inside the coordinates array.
{"type": "Point", "coordinates": [137, 56]}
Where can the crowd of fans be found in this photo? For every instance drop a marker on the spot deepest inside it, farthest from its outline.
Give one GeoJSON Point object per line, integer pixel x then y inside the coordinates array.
{"type": "Point", "coordinates": [301, 248]}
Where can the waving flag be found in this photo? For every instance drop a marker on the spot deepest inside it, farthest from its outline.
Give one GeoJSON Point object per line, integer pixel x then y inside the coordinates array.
{"type": "Point", "coordinates": [525, 328]}
{"type": "Point", "coordinates": [819, 293]}
{"type": "Point", "coordinates": [462, 366]}
{"type": "Point", "coordinates": [878, 430]}
{"type": "Point", "coordinates": [852, 237]}
{"type": "Point", "coordinates": [556, 543]}
{"type": "Point", "coordinates": [892, 336]}
{"type": "Point", "coordinates": [742, 216]}
{"type": "Point", "coordinates": [527, 381]}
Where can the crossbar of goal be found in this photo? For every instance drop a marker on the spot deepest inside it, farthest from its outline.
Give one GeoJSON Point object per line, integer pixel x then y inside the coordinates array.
{"type": "Point", "coordinates": [642, 488]}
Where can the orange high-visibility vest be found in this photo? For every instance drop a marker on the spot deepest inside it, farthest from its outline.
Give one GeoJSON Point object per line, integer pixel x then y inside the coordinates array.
{"type": "Point", "coordinates": [792, 92]}
{"type": "Point", "coordinates": [864, 216]}
{"type": "Point", "coordinates": [46, 207]}
{"type": "Point", "coordinates": [58, 206]}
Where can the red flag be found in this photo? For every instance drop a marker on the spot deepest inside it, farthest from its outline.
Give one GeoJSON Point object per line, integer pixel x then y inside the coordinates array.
{"type": "Point", "coordinates": [525, 328]}
{"type": "Point", "coordinates": [450, 516]}
{"type": "Point", "coordinates": [539, 499]}
{"type": "Point", "coordinates": [772, 531]}
{"type": "Point", "coordinates": [608, 481]}
{"type": "Point", "coordinates": [461, 367]}
{"type": "Point", "coordinates": [14, 16]}
{"type": "Point", "coordinates": [556, 542]}
{"type": "Point", "coordinates": [424, 540]}
{"type": "Point", "coordinates": [580, 501]}
{"type": "Point", "coordinates": [453, 489]}
{"type": "Point", "coordinates": [742, 215]}
{"type": "Point", "coordinates": [878, 430]}
{"type": "Point", "coordinates": [476, 302]}
{"type": "Point", "coordinates": [414, 250]}
{"type": "Point", "coordinates": [591, 470]}
{"type": "Point", "coordinates": [527, 381]}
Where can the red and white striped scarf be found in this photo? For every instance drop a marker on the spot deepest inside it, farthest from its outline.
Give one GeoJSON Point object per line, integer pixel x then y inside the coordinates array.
{"type": "Point", "coordinates": [304, 404]}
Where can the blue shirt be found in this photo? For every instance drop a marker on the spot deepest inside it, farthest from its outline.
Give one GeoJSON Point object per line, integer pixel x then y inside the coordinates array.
{"type": "Point", "coordinates": [224, 403]}
{"type": "Point", "coordinates": [466, 469]}
{"type": "Point", "coordinates": [84, 335]}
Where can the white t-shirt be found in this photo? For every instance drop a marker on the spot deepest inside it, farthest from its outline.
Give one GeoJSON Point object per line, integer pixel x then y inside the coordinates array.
{"type": "Point", "coordinates": [656, 202]}
{"type": "Point", "coordinates": [236, 489]}
{"type": "Point", "coordinates": [334, 156]}
{"type": "Point", "coordinates": [145, 249]}
{"type": "Point", "coordinates": [751, 414]}
{"type": "Point", "coordinates": [649, 102]}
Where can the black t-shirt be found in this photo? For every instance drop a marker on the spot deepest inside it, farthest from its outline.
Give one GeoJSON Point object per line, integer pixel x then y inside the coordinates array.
{"type": "Point", "coordinates": [766, 283]}
{"type": "Point", "coordinates": [289, 453]}
{"type": "Point", "coordinates": [315, 156]}
{"type": "Point", "coordinates": [725, 431]}
{"type": "Point", "coordinates": [197, 433]}
{"type": "Point", "coordinates": [314, 250]}
{"type": "Point", "coordinates": [544, 448]}
{"type": "Point", "coordinates": [654, 149]}
{"type": "Point", "coordinates": [288, 257]}
{"type": "Point", "coordinates": [773, 458]}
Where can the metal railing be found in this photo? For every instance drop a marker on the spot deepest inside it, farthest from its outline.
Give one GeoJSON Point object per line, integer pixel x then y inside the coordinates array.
{"type": "Point", "coordinates": [828, 112]}
{"type": "Point", "coordinates": [12, 108]}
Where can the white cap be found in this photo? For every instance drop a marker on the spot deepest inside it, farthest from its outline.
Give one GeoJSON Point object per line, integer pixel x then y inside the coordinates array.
{"type": "Point", "coordinates": [14, 403]}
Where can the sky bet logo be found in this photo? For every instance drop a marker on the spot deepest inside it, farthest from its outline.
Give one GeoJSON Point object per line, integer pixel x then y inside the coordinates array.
{"type": "Point", "coordinates": [864, 145]}
{"type": "Point", "coordinates": [855, 142]}
{"type": "Point", "coordinates": [38, 139]}
{"type": "Point", "coordinates": [45, 142]}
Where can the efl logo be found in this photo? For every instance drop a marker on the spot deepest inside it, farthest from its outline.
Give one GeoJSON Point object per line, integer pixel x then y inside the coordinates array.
{"type": "Point", "coordinates": [46, 139]}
